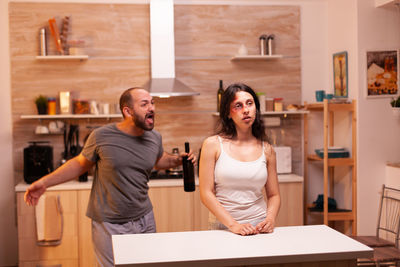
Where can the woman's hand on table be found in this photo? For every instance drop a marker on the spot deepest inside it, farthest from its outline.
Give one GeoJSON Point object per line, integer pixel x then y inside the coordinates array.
{"type": "Point", "coordinates": [266, 226]}
{"type": "Point", "coordinates": [244, 229]}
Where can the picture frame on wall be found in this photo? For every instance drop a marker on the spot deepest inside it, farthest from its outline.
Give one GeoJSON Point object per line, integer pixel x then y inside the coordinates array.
{"type": "Point", "coordinates": [382, 73]}
{"type": "Point", "coordinates": [340, 75]}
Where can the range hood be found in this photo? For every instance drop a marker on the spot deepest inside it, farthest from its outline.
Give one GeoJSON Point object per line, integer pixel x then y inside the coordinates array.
{"type": "Point", "coordinates": [163, 82]}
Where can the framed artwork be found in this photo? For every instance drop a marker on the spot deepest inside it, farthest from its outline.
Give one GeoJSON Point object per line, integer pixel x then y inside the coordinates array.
{"type": "Point", "coordinates": [340, 79]}
{"type": "Point", "coordinates": [382, 73]}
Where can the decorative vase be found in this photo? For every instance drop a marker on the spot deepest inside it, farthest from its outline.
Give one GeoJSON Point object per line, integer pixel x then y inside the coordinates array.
{"type": "Point", "coordinates": [41, 108]}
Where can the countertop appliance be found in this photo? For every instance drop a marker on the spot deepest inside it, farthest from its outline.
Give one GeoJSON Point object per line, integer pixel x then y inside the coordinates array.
{"type": "Point", "coordinates": [283, 159]}
{"type": "Point", "coordinates": [38, 160]}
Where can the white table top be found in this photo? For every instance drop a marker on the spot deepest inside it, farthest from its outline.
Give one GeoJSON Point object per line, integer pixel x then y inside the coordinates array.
{"type": "Point", "coordinates": [218, 248]}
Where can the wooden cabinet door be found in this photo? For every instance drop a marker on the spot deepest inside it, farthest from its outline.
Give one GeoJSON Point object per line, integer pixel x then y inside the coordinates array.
{"type": "Point", "coordinates": [291, 212]}
{"type": "Point", "coordinates": [28, 249]}
{"type": "Point", "coordinates": [173, 208]}
{"type": "Point", "coordinates": [86, 252]}
{"type": "Point", "coordinates": [200, 213]}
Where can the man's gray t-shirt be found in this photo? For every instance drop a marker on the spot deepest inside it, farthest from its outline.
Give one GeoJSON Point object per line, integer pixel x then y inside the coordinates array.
{"type": "Point", "coordinates": [123, 166]}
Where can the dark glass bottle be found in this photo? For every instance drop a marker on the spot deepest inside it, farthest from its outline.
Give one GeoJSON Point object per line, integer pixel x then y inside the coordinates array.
{"type": "Point", "coordinates": [219, 95]}
{"type": "Point", "coordinates": [188, 172]}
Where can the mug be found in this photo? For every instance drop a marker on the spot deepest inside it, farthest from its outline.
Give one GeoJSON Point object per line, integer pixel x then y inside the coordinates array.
{"type": "Point", "coordinates": [329, 96]}
{"type": "Point", "coordinates": [320, 95]}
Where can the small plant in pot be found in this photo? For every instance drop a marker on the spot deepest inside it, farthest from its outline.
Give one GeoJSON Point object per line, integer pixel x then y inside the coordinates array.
{"type": "Point", "coordinates": [395, 103]}
{"type": "Point", "coordinates": [41, 104]}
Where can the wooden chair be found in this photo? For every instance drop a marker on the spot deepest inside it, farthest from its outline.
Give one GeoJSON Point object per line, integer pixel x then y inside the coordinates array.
{"type": "Point", "coordinates": [388, 227]}
{"type": "Point", "coordinates": [386, 253]}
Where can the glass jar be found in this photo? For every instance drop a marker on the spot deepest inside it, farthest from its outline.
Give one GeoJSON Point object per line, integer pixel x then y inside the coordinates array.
{"type": "Point", "coordinates": [51, 106]}
{"type": "Point", "coordinates": [278, 104]}
{"type": "Point", "coordinates": [261, 99]}
{"type": "Point", "coordinates": [269, 104]}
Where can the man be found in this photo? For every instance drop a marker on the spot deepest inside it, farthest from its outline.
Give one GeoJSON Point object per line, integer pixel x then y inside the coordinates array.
{"type": "Point", "coordinates": [123, 154]}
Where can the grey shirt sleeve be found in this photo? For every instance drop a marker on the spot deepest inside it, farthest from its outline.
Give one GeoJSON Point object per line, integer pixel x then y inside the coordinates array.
{"type": "Point", "coordinates": [89, 149]}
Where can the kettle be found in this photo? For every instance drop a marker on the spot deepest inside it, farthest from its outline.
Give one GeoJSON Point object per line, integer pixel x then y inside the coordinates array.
{"type": "Point", "coordinates": [177, 171]}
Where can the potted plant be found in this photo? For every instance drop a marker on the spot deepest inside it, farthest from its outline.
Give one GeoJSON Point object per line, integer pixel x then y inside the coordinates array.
{"type": "Point", "coordinates": [41, 104]}
{"type": "Point", "coordinates": [395, 103]}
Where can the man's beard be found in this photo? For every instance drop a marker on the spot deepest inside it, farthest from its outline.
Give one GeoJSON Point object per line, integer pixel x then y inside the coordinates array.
{"type": "Point", "coordinates": [141, 122]}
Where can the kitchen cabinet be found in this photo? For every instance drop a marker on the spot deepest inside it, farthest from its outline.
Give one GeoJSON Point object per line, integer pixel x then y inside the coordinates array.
{"type": "Point", "coordinates": [175, 211]}
{"type": "Point", "coordinates": [329, 110]}
{"type": "Point", "coordinates": [65, 254]}
{"type": "Point", "coordinates": [291, 211]}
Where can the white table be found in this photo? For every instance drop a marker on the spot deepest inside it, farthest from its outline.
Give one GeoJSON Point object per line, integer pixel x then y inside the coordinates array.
{"type": "Point", "coordinates": [294, 244]}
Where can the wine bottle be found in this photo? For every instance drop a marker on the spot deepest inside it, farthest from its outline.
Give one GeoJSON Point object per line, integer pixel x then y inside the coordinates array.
{"type": "Point", "coordinates": [219, 95]}
{"type": "Point", "coordinates": [188, 172]}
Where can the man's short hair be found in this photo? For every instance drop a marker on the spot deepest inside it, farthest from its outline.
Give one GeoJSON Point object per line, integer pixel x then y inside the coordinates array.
{"type": "Point", "coordinates": [126, 99]}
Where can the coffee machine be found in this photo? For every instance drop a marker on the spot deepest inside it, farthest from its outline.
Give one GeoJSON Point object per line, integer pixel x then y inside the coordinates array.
{"type": "Point", "coordinates": [38, 160]}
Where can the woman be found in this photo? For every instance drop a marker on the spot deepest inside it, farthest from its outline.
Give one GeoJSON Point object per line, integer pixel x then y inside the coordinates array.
{"type": "Point", "coordinates": [235, 166]}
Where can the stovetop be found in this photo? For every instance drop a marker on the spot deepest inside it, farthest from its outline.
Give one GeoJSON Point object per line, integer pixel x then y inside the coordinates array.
{"type": "Point", "coordinates": [165, 175]}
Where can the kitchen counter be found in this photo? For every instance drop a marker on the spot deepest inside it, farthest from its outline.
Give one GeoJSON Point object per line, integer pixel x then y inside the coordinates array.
{"type": "Point", "coordinates": [75, 185]}
{"type": "Point", "coordinates": [294, 244]}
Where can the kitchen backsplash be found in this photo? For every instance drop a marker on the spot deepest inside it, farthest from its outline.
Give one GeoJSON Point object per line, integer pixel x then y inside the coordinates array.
{"type": "Point", "coordinates": [117, 41]}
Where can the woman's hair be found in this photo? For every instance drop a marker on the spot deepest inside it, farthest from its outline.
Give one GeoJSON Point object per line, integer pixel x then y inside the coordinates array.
{"type": "Point", "coordinates": [226, 126]}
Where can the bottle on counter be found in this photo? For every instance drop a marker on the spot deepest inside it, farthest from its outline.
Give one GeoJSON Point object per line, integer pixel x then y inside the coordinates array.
{"type": "Point", "coordinates": [188, 172]}
{"type": "Point", "coordinates": [219, 95]}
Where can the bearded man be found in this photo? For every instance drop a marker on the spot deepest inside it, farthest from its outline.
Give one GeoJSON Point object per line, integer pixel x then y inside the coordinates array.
{"type": "Point", "coordinates": [123, 154]}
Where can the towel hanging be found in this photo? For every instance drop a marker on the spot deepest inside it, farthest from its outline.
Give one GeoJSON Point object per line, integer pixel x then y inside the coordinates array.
{"type": "Point", "coordinates": [49, 221]}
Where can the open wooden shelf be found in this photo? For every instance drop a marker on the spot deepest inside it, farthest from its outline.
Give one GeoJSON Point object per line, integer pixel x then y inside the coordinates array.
{"type": "Point", "coordinates": [255, 57]}
{"type": "Point", "coordinates": [66, 57]}
{"type": "Point", "coordinates": [70, 116]}
{"type": "Point", "coordinates": [333, 161]}
{"type": "Point", "coordinates": [328, 110]}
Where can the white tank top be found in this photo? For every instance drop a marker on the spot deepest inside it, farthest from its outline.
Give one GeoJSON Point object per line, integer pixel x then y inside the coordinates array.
{"type": "Point", "coordinates": [239, 186]}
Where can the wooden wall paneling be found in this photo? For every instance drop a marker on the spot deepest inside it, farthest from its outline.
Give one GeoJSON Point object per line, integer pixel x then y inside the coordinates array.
{"type": "Point", "coordinates": [118, 45]}
{"type": "Point", "coordinates": [219, 30]}
{"type": "Point", "coordinates": [108, 30]}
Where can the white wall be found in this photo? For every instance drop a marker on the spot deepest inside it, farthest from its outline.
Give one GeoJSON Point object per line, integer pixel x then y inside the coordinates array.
{"type": "Point", "coordinates": [379, 131]}
{"type": "Point", "coordinates": [8, 226]}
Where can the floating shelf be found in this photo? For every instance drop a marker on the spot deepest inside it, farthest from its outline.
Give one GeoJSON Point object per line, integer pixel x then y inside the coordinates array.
{"type": "Point", "coordinates": [285, 112]}
{"type": "Point", "coordinates": [256, 57]}
{"type": "Point", "coordinates": [70, 116]}
{"type": "Point", "coordinates": [67, 57]}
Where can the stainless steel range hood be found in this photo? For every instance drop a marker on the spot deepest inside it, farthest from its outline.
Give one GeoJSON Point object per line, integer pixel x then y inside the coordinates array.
{"type": "Point", "coordinates": [163, 82]}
